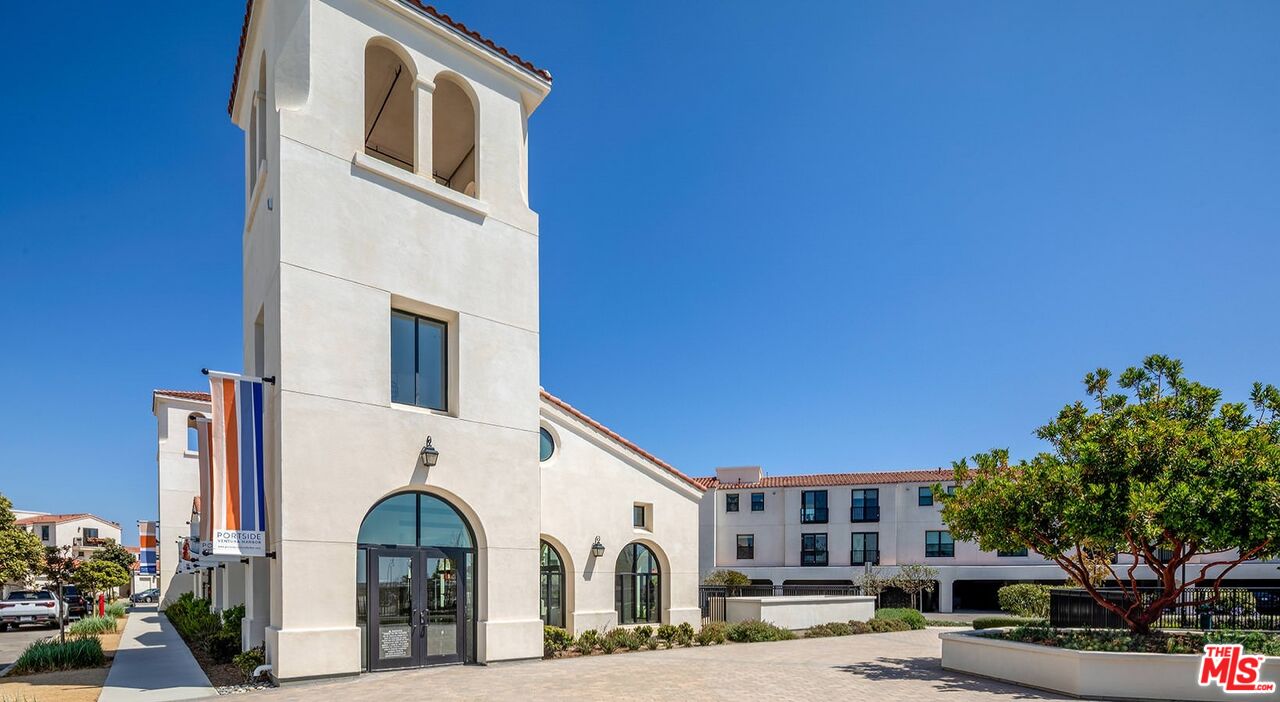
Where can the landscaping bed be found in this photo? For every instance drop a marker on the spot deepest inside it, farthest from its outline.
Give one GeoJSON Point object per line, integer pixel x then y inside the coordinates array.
{"type": "Point", "coordinates": [214, 641]}
{"type": "Point", "coordinates": [74, 671]}
{"type": "Point", "coordinates": [1156, 642]}
{"type": "Point", "coordinates": [558, 643]}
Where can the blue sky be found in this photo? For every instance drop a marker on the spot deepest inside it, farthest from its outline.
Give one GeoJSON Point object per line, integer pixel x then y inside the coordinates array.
{"type": "Point", "coordinates": [844, 236]}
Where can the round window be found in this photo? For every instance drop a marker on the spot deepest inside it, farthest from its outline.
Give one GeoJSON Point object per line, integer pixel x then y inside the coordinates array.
{"type": "Point", "coordinates": [548, 445]}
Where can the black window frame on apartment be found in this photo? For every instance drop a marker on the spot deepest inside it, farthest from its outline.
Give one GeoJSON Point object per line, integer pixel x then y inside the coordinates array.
{"type": "Point", "coordinates": [814, 513]}
{"type": "Point", "coordinates": [731, 502]}
{"type": "Point", "coordinates": [750, 547]}
{"type": "Point", "coordinates": [757, 502]}
{"type": "Point", "coordinates": [870, 509]}
{"type": "Point", "coordinates": [810, 554]}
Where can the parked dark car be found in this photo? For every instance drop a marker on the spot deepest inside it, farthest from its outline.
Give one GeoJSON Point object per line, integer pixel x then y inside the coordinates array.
{"type": "Point", "coordinates": [76, 605]}
{"type": "Point", "coordinates": [149, 595]}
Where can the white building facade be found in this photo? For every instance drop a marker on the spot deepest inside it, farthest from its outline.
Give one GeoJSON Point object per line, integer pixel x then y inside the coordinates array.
{"type": "Point", "coordinates": [82, 534]}
{"type": "Point", "coordinates": [811, 531]}
{"type": "Point", "coordinates": [391, 293]}
{"type": "Point", "coordinates": [177, 482]}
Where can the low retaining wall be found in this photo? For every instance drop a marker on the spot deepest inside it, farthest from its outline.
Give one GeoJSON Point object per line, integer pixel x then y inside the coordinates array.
{"type": "Point", "coordinates": [800, 612]}
{"type": "Point", "coordinates": [1087, 674]}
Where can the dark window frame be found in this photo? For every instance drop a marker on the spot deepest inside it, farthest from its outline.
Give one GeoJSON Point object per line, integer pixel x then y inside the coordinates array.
{"type": "Point", "coordinates": [874, 552]}
{"type": "Point", "coordinates": [810, 553]}
{"type": "Point", "coordinates": [546, 438]}
{"type": "Point", "coordinates": [637, 596]}
{"type": "Point", "coordinates": [814, 513]}
{"type": "Point", "coordinates": [870, 508]}
{"type": "Point", "coordinates": [939, 548]}
{"type": "Point", "coordinates": [924, 496]}
{"type": "Point", "coordinates": [639, 517]}
{"type": "Point", "coordinates": [44, 532]}
{"type": "Point", "coordinates": [750, 547]}
{"type": "Point", "coordinates": [757, 505]}
{"type": "Point", "coordinates": [731, 502]}
{"type": "Point", "coordinates": [417, 356]}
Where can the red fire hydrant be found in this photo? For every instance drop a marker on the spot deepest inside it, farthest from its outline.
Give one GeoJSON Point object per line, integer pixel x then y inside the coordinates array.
{"type": "Point", "coordinates": [102, 605]}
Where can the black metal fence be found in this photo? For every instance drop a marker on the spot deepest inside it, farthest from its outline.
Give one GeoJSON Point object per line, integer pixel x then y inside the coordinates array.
{"type": "Point", "coordinates": [1255, 608]}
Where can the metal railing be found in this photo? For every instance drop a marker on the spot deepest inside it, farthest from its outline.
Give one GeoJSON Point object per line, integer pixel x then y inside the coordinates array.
{"type": "Point", "coordinates": [864, 513]}
{"type": "Point", "coordinates": [1196, 608]}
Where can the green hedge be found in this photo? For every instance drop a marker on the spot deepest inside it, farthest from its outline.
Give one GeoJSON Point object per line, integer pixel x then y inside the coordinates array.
{"type": "Point", "coordinates": [912, 617]}
{"type": "Point", "coordinates": [1025, 600]}
{"type": "Point", "coordinates": [45, 656]}
{"type": "Point", "coordinates": [215, 634]}
{"type": "Point", "coordinates": [752, 631]}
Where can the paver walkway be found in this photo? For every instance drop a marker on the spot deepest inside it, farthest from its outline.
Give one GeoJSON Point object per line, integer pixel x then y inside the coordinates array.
{"type": "Point", "coordinates": [883, 667]}
{"type": "Point", "coordinates": [152, 663]}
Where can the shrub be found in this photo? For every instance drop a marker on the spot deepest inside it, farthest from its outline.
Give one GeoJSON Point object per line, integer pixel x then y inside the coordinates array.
{"type": "Point", "coordinates": [117, 610]}
{"type": "Point", "coordinates": [44, 656]}
{"type": "Point", "coordinates": [1255, 642]}
{"type": "Point", "coordinates": [884, 626]}
{"type": "Point", "coordinates": [668, 633]}
{"type": "Point", "coordinates": [613, 640]}
{"type": "Point", "coordinates": [730, 578]}
{"type": "Point", "coordinates": [913, 618]}
{"type": "Point", "coordinates": [587, 642]}
{"type": "Point", "coordinates": [1025, 600]}
{"type": "Point", "coordinates": [249, 661]}
{"type": "Point", "coordinates": [217, 634]}
{"type": "Point", "coordinates": [712, 633]}
{"type": "Point", "coordinates": [555, 640]}
{"type": "Point", "coordinates": [857, 627]}
{"type": "Point", "coordinates": [751, 631]}
{"type": "Point", "coordinates": [684, 634]}
{"type": "Point", "coordinates": [997, 622]}
{"type": "Point", "coordinates": [820, 631]}
{"type": "Point", "coordinates": [92, 626]}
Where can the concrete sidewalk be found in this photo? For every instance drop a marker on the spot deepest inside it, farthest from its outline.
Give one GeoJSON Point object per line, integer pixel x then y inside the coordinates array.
{"type": "Point", "coordinates": [153, 663]}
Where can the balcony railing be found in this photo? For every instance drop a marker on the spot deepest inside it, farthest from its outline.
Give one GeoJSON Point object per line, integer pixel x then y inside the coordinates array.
{"type": "Point", "coordinates": [866, 513]}
{"type": "Point", "coordinates": [863, 556]}
{"type": "Point", "coordinates": [813, 515]}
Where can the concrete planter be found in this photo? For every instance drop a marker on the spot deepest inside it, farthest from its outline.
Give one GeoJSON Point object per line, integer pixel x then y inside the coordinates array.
{"type": "Point", "coordinates": [1086, 674]}
{"type": "Point", "coordinates": [800, 612]}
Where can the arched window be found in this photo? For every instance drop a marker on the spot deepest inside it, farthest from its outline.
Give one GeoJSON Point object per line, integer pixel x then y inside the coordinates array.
{"type": "Point", "coordinates": [415, 565]}
{"type": "Point", "coordinates": [388, 107]}
{"type": "Point", "coordinates": [453, 136]}
{"type": "Point", "coordinates": [638, 592]}
{"type": "Point", "coordinates": [551, 586]}
{"type": "Point", "coordinates": [547, 446]}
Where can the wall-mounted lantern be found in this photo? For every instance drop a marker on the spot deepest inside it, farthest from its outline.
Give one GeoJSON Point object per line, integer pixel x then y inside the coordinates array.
{"type": "Point", "coordinates": [597, 549]}
{"type": "Point", "coordinates": [429, 454]}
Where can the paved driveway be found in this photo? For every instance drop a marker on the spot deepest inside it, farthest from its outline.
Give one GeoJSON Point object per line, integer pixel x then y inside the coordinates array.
{"type": "Point", "coordinates": [13, 643]}
{"type": "Point", "coordinates": [882, 667]}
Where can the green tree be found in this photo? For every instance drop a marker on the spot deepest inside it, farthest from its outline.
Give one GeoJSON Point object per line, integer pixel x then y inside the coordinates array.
{"type": "Point", "coordinates": [115, 553]}
{"type": "Point", "coordinates": [20, 550]}
{"type": "Point", "coordinates": [1165, 465]}
{"type": "Point", "coordinates": [59, 567]}
{"type": "Point", "coordinates": [97, 576]}
{"type": "Point", "coordinates": [915, 579]}
{"type": "Point", "coordinates": [872, 582]}
{"type": "Point", "coordinates": [731, 578]}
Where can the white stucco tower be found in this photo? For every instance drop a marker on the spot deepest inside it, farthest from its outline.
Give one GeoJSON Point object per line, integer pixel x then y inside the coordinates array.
{"type": "Point", "coordinates": [391, 287]}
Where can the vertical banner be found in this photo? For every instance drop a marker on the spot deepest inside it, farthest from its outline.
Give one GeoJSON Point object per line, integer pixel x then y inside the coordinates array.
{"type": "Point", "coordinates": [237, 507]}
{"type": "Point", "coordinates": [203, 505]}
{"type": "Point", "coordinates": [146, 548]}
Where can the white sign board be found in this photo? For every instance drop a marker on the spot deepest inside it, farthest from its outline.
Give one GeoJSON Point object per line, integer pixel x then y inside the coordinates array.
{"type": "Point", "coordinates": [227, 542]}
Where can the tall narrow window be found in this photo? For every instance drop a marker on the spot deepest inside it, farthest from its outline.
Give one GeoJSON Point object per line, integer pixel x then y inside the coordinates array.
{"type": "Point", "coordinates": [865, 506]}
{"type": "Point", "coordinates": [419, 361]}
{"type": "Point", "coordinates": [864, 548]}
{"type": "Point", "coordinates": [746, 547]}
{"type": "Point", "coordinates": [813, 549]}
{"type": "Point", "coordinates": [388, 107]}
{"type": "Point", "coordinates": [453, 136]}
{"type": "Point", "coordinates": [757, 502]}
{"type": "Point", "coordinates": [638, 590]}
{"type": "Point", "coordinates": [551, 585]}
{"type": "Point", "coordinates": [813, 507]}
{"type": "Point", "coordinates": [258, 124]}
{"type": "Point", "coordinates": [924, 496]}
{"type": "Point", "coordinates": [731, 502]}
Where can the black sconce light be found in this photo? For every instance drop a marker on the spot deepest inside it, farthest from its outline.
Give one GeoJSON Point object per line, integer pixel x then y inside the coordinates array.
{"type": "Point", "coordinates": [597, 549]}
{"type": "Point", "coordinates": [429, 454]}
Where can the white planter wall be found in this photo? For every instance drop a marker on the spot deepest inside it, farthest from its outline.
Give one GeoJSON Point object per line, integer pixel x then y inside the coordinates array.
{"type": "Point", "coordinates": [799, 612]}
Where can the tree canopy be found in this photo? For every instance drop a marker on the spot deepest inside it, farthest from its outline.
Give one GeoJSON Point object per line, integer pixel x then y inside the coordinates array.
{"type": "Point", "coordinates": [1163, 471]}
{"type": "Point", "coordinates": [98, 575]}
{"type": "Point", "coordinates": [731, 578]}
{"type": "Point", "coordinates": [20, 551]}
{"type": "Point", "coordinates": [115, 553]}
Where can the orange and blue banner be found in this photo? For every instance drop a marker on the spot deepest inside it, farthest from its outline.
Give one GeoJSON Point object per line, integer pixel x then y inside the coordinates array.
{"type": "Point", "coordinates": [235, 514]}
{"type": "Point", "coordinates": [146, 548]}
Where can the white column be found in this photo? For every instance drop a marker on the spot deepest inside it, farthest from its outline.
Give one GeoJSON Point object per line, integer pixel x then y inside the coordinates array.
{"type": "Point", "coordinates": [423, 90]}
{"type": "Point", "coordinates": [257, 601]}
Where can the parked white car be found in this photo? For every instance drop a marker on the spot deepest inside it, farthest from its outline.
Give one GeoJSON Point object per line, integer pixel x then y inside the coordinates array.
{"type": "Point", "coordinates": [34, 607]}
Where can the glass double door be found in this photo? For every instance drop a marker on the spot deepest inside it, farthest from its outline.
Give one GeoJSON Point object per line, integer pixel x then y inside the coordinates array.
{"type": "Point", "coordinates": [416, 617]}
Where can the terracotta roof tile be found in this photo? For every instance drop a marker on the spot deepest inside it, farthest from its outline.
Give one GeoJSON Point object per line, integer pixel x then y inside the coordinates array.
{"type": "Point", "coordinates": [618, 438]}
{"type": "Point", "coordinates": [184, 395]}
{"type": "Point", "coordinates": [430, 11]}
{"type": "Point", "coordinates": [831, 479]}
{"type": "Point", "coordinates": [60, 518]}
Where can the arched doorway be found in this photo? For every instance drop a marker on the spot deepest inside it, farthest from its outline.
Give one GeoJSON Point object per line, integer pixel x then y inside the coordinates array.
{"type": "Point", "coordinates": [638, 593]}
{"type": "Point", "coordinates": [415, 584]}
{"type": "Point", "coordinates": [551, 586]}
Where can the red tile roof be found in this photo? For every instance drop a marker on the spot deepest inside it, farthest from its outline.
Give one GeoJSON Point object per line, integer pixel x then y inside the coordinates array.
{"type": "Point", "coordinates": [60, 518]}
{"type": "Point", "coordinates": [578, 414]}
{"type": "Point", "coordinates": [184, 395]}
{"type": "Point", "coordinates": [825, 479]}
{"type": "Point", "coordinates": [428, 10]}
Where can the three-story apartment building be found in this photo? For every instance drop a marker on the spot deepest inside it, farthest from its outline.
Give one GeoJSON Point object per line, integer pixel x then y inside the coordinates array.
{"type": "Point", "coordinates": [827, 529]}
